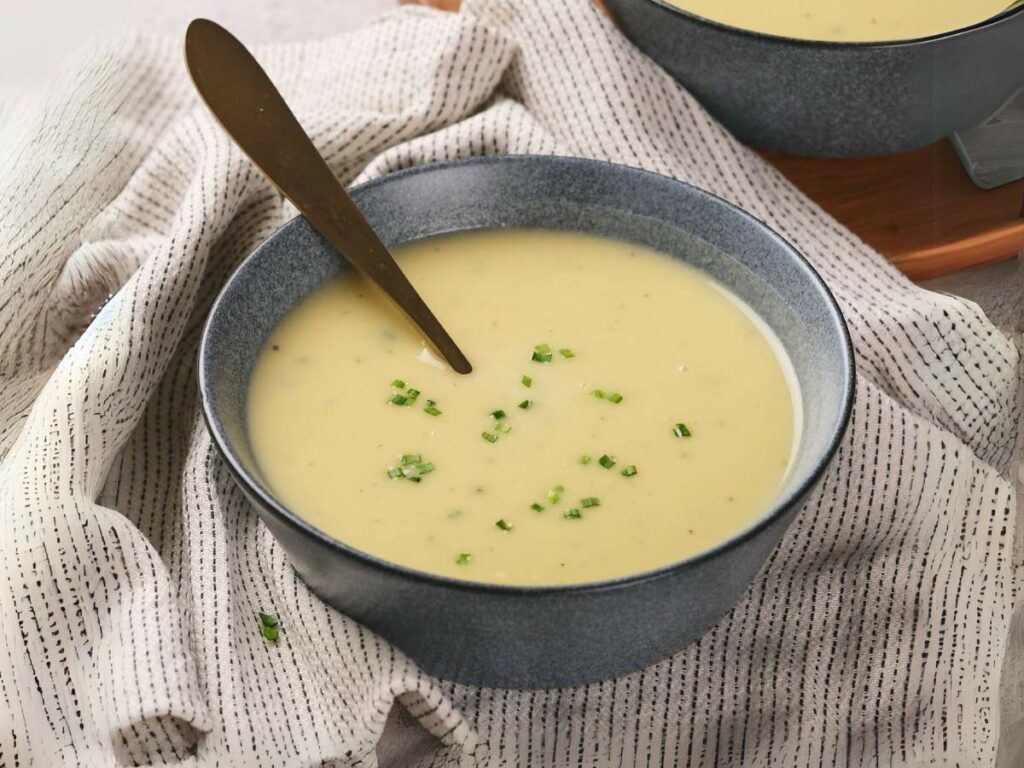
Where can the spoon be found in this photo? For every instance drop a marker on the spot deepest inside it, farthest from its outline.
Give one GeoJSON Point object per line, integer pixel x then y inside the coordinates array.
{"type": "Point", "coordinates": [252, 111]}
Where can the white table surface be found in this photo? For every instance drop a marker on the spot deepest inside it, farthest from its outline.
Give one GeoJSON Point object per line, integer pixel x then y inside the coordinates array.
{"type": "Point", "coordinates": [36, 34]}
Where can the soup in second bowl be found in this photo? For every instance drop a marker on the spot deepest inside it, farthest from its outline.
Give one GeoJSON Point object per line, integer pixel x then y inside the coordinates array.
{"type": "Point", "coordinates": [847, 20]}
{"type": "Point", "coordinates": [624, 411]}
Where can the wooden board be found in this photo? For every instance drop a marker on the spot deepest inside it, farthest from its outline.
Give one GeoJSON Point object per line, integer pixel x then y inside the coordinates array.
{"type": "Point", "coordinates": [919, 209]}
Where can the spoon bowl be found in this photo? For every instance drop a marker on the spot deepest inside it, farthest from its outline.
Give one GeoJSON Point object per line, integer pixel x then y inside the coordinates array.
{"type": "Point", "coordinates": [253, 112]}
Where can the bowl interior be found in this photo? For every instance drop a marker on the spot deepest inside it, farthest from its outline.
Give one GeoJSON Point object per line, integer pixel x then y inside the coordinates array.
{"type": "Point", "coordinates": [554, 193]}
{"type": "Point", "coordinates": [1010, 10]}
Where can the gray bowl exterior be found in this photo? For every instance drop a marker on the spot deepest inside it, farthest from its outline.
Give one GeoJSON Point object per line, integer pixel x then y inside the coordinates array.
{"type": "Point", "coordinates": [535, 637]}
{"type": "Point", "coordinates": [833, 99]}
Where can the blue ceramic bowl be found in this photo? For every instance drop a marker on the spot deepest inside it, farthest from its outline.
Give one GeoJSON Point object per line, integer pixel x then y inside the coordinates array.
{"type": "Point", "coordinates": [804, 97]}
{"type": "Point", "coordinates": [536, 637]}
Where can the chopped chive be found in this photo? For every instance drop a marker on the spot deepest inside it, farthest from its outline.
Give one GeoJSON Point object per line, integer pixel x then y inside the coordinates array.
{"type": "Point", "coordinates": [572, 514]}
{"type": "Point", "coordinates": [606, 461]}
{"type": "Point", "coordinates": [425, 468]}
{"type": "Point", "coordinates": [490, 437]}
{"type": "Point", "coordinates": [590, 501]}
{"type": "Point", "coordinates": [542, 348]}
{"type": "Point", "coordinates": [504, 524]}
{"type": "Point", "coordinates": [566, 353]}
{"type": "Point", "coordinates": [584, 459]}
{"type": "Point", "coordinates": [526, 405]}
{"type": "Point", "coordinates": [504, 427]}
{"type": "Point", "coordinates": [527, 381]}
{"type": "Point", "coordinates": [394, 472]}
{"type": "Point", "coordinates": [542, 353]}
{"type": "Point", "coordinates": [681, 430]}
{"type": "Point", "coordinates": [537, 507]}
{"type": "Point", "coordinates": [629, 471]}
{"type": "Point", "coordinates": [498, 414]}
{"type": "Point", "coordinates": [269, 627]}
{"type": "Point", "coordinates": [464, 558]}
{"type": "Point", "coordinates": [411, 458]}
{"type": "Point", "coordinates": [555, 494]}
{"type": "Point", "coordinates": [415, 479]}
{"type": "Point", "coordinates": [412, 395]}
{"type": "Point", "coordinates": [399, 399]}
{"type": "Point", "coordinates": [613, 397]}
{"type": "Point", "coordinates": [398, 384]}
{"type": "Point", "coordinates": [432, 410]}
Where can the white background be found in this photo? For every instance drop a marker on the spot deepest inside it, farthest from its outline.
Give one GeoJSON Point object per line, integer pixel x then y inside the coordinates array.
{"type": "Point", "coordinates": [36, 35]}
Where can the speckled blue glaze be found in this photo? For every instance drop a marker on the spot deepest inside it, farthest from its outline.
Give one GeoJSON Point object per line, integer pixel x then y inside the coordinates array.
{"type": "Point", "coordinates": [526, 637]}
{"type": "Point", "coordinates": [833, 99]}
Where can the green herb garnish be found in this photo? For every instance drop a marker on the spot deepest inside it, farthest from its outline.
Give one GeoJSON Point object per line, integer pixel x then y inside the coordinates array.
{"type": "Point", "coordinates": [399, 400]}
{"type": "Point", "coordinates": [412, 394]}
{"type": "Point", "coordinates": [566, 353]}
{"type": "Point", "coordinates": [490, 437]}
{"type": "Point", "coordinates": [590, 501]}
{"type": "Point", "coordinates": [555, 493]}
{"type": "Point", "coordinates": [629, 471]}
{"type": "Point", "coordinates": [527, 381]}
{"type": "Point", "coordinates": [413, 468]}
{"type": "Point", "coordinates": [584, 459]}
{"type": "Point", "coordinates": [526, 405]}
{"type": "Point", "coordinates": [681, 430]}
{"type": "Point", "coordinates": [537, 507]}
{"type": "Point", "coordinates": [498, 414]}
{"type": "Point", "coordinates": [398, 384]}
{"type": "Point", "coordinates": [606, 461]}
{"type": "Point", "coordinates": [432, 408]}
{"type": "Point", "coordinates": [464, 558]}
{"type": "Point", "coordinates": [269, 626]}
{"type": "Point", "coordinates": [613, 397]}
{"type": "Point", "coordinates": [504, 427]}
{"type": "Point", "coordinates": [542, 353]}
{"type": "Point", "coordinates": [572, 514]}
{"type": "Point", "coordinates": [504, 524]}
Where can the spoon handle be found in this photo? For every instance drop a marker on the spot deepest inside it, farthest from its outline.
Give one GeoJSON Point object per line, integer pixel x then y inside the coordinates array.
{"type": "Point", "coordinates": [245, 101]}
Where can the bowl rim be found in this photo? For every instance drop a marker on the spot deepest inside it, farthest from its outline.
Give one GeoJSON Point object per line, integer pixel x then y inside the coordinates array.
{"type": "Point", "coordinates": [768, 517]}
{"type": "Point", "coordinates": [999, 18]}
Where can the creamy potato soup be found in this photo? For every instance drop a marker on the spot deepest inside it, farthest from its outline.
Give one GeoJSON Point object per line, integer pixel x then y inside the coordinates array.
{"type": "Point", "coordinates": [624, 411]}
{"type": "Point", "coordinates": [847, 20]}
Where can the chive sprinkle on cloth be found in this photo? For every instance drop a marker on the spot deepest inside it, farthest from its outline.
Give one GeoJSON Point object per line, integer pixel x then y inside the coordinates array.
{"type": "Point", "coordinates": [881, 632]}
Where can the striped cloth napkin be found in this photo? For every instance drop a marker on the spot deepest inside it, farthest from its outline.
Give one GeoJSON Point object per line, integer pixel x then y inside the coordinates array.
{"type": "Point", "coordinates": [132, 570]}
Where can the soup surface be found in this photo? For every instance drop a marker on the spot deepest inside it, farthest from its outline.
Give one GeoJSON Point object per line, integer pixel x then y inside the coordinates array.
{"type": "Point", "coordinates": [847, 20]}
{"type": "Point", "coordinates": [658, 420]}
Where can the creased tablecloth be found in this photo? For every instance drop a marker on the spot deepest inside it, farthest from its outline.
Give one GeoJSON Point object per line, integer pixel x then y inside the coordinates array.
{"type": "Point", "coordinates": [131, 568]}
